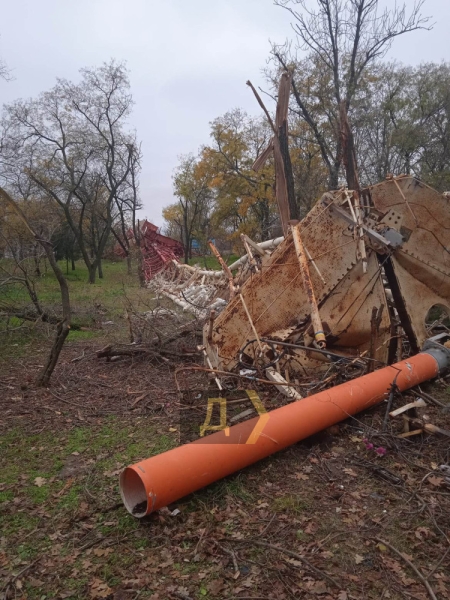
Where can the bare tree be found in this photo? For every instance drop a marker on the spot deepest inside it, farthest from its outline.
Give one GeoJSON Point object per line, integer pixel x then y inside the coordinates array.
{"type": "Point", "coordinates": [343, 38]}
{"type": "Point", "coordinates": [70, 144]}
{"type": "Point", "coordinates": [63, 326]}
{"type": "Point", "coordinates": [5, 71]}
{"type": "Point", "coordinates": [126, 228]}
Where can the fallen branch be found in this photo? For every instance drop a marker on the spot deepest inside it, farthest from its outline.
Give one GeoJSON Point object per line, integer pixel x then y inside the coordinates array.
{"type": "Point", "coordinates": [14, 578]}
{"type": "Point", "coordinates": [441, 560]}
{"type": "Point", "coordinates": [296, 556]}
{"type": "Point", "coordinates": [233, 558]}
{"type": "Point", "coordinates": [427, 397]}
{"type": "Point", "coordinates": [418, 404]}
{"type": "Point", "coordinates": [411, 566]}
{"type": "Point", "coordinates": [227, 374]}
{"type": "Point", "coordinates": [133, 350]}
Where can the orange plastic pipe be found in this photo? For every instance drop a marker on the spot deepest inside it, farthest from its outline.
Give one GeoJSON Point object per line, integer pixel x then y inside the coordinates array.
{"type": "Point", "coordinates": [165, 478]}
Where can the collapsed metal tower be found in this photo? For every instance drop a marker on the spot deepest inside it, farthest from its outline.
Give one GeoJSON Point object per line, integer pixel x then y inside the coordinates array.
{"type": "Point", "coordinates": [376, 264]}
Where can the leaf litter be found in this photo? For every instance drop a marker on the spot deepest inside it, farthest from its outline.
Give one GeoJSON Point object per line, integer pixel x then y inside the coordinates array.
{"type": "Point", "coordinates": [325, 501]}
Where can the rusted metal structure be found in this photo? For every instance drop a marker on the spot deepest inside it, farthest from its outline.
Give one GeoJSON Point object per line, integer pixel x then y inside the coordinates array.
{"type": "Point", "coordinates": [357, 275]}
{"type": "Point", "coordinates": [350, 284]}
{"type": "Point", "coordinates": [364, 269]}
{"type": "Point", "coordinates": [387, 249]}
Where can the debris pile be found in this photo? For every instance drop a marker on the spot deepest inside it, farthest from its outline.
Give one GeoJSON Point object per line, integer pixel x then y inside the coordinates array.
{"type": "Point", "coordinates": [360, 283]}
{"type": "Point", "coordinates": [348, 289]}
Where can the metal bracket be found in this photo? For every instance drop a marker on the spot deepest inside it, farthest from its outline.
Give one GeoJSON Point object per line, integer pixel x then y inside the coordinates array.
{"type": "Point", "coordinates": [435, 347]}
{"type": "Point", "coordinates": [376, 238]}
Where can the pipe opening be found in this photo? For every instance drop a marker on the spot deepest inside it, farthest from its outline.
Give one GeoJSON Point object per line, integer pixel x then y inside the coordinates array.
{"type": "Point", "coordinates": [132, 491]}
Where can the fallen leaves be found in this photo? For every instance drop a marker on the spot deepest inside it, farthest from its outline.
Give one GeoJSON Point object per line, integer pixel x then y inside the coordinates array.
{"type": "Point", "coordinates": [99, 589]}
{"type": "Point", "coordinates": [319, 588]}
{"type": "Point", "coordinates": [102, 551]}
{"type": "Point", "coordinates": [436, 481]}
{"type": "Point", "coordinates": [422, 532]}
{"type": "Point", "coordinates": [350, 472]}
{"type": "Point", "coordinates": [40, 481]}
{"type": "Point", "coordinates": [215, 586]}
{"type": "Point", "coordinates": [359, 559]}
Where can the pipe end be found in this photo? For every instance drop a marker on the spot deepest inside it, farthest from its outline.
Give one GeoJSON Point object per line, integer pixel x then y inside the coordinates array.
{"type": "Point", "coordinates": [133, 493]}
{"type": "Point", "coordinates": [438, 347]}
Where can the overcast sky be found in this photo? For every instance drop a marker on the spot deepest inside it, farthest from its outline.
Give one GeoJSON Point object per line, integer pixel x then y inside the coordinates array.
{"type": "Point", "coordinates": [188, 60]}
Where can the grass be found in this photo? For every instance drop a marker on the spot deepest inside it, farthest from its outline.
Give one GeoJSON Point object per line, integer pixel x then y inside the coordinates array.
{"type": "Point", "coordinates": [211, 262]}
{"type": "Point", "coordinates": [43, 518]}
{"type": "Point", "coordinates": [92, 305]}
{"type": "Point", "coordinates": [34, 509]}
{"type": "Point", "coordinates": [115, 284]}
{"type": "Point", "coordinates": [290, 503]}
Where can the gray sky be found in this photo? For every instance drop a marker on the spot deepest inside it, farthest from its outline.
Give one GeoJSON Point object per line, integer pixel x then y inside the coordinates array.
{"type": "Point", "coordinates": [189, 61]}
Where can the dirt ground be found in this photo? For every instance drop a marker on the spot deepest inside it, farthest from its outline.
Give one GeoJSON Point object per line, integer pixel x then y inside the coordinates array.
{"type": "Point", "coordinates": [352, 513]}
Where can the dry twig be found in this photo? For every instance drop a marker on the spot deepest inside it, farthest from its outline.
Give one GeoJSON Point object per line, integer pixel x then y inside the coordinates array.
{"type": "Point", "coordinates": [425, 581]}
{"type": "Point", "coordinates": [293, 555]}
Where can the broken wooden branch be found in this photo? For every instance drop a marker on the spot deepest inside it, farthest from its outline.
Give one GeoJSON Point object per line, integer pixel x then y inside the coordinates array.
{"type": "Point", "coordinates": [431, 399]}
{"type": "Point", "coordinates": [417, 404]}
{"type": "Point", "coordinates": [425, 581]}
{"type": "Point", "coordinates": [251, 259]}
{"type": "Point", "coordinates": [319, 334]}
{"type": "Point", "coordinates": [408, 434]}
{"type": "Point", "coordinates": [256, 247]}
{"type": "Point", "coordinates": [295, 555]}
{"type": "Point", "coordinates": [262, 105]}
{"type": "Point", "coordinates": [225, 268]}
{"type": "Point", "coordinates": [283, 386]}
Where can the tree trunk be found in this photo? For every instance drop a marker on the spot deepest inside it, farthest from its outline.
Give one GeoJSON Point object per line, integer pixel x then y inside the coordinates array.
{"type": "Point", "coordinates": [140, 259]}
{"type": "Point", "coordinates": [92, 270]}
{"type": "Point", "coordinates": [37, 269]}
{"type": "Point", "coordinates": [265, 221]}
{"type": "Point", "coordinates": [100, 269]}
{"type": "Point", "coordinates": [187, 246]}
{"type": "Point", "coordinates": [407, 163]}
{"type": "Point", "coordinates": [63, 327]}
{"type": "Point", "coordinates": [129, 270]}
{"type": "Point", "coordinates": [62, 331]}
{"type": "Point", "coordinates": [73, 264]}
{"type": "Point", "coordinates": [333, 180]}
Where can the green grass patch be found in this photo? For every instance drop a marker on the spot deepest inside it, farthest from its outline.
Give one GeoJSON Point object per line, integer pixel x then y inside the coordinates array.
{"type": "Point", "coordinates": [115, 285]}
{"type": "Point", "coordinates": [290, 503]}
{"type": "Point", "coordinates": [92, 305]}
{"type": "Point", "coordinates": [211, 262]}
{"type": "Point", "coordinates": [37, 512]}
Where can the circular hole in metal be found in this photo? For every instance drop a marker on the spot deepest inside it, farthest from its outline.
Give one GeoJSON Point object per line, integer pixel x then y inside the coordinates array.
{"type": "Point", "coordinates": [437, 319]}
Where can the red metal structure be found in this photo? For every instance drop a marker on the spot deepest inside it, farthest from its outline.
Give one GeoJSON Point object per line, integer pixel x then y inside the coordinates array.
{"type": "Point", "coordinates": [157, 249]}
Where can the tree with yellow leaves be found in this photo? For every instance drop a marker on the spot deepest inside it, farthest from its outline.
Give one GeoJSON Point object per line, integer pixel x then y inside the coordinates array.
{"type": "Point", "coordinates": [244, 200]}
